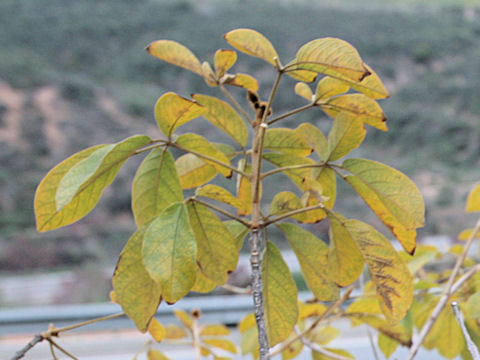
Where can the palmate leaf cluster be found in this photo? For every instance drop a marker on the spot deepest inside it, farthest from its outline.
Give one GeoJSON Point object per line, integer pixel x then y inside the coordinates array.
{"type": "Point", "coordinates": [184, 244]}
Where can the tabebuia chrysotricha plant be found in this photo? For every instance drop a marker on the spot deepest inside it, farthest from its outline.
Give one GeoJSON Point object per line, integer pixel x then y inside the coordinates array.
{"type": "Point", "coordinates": [192, 243]}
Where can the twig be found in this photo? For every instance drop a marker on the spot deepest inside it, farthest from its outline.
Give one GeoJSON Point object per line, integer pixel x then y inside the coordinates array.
{"type": "Point", "coordinates": [56, 331]}
{"type": "Point", "coordinates": [470, 344]}
{"type": "Point", "coordinates": [52, 350]}
{"type": "Point", "coordinates": [291, 167]}
{"type": "Point", "coordinates": [372, 343]}
{"type": "Point", "coordinates": [221, 211]}
{"type": "Point", "coordinates": [321, 350]}
{"type": "Point", "coordinates": [236, 289]}
{"type": "Point", "coordinates": [51, 341]}
{"type": "Point", "coordinates": [290, 113]}
{"type": "Point", "coordinates": [21, 353]}
{"type": "Point", "coordinates": [292, 213]}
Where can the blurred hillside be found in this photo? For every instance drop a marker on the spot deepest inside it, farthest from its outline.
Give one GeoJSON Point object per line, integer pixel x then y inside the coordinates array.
{"type": "Point", "coordinates": [75, 73]}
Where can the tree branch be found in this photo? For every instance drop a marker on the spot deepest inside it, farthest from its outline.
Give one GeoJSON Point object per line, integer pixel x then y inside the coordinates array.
{"type": "Point", "coordinates": [470, 344]}
{"type": "Point", "coordinates": [52, 342]}
{"type": "Point", "coordinates": [21, 353]}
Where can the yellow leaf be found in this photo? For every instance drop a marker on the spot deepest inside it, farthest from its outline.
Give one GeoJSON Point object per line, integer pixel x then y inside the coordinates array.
{"type": "Point", "coordinates": [319, 356]}
{"type": "Point", "coordinates": [303, 90]}
{"type": "Point", "coordinates": [326, 178]}
{"type": "Point", "coordinates": [312, 254]}
{"type": "Point", "coordinates": [287, 141]}
{"type": "Point", "coordinates": [423, 255]}
{"type": "Point", "coordinates": [72, 188]}
{"type": "Point", "coordinates": [153, 354]}
{"type": "Point", "coordinates": [387, 345]}
{"type": "Point", "coordinates": [176, 54]}
{"type": "Point", "coordinates": [172, 110]}
{"type": "Point", "coordinates": [155, 186]}
{"type": "Point", "coordinates": [280, 296]}
{"type": "Point", "coordinates": [333, 57]}
{"type": "Point", "coordinates": [392, 196]}
{"type": "Point", "coordinates": [345, 260]}
{"type": "Point", "coordinates": [184, 318]}
{"type": "Point", "coordinates": [249, 342]}
{"type": "Point", "coordinates": [314, 137]}
{"type": "Point", "coordinates": [113, 297]}
{"type": "Point", "coordinates": [156, 329]}
{"type": "Point", "coordinates": [396, 331]}
{"type": "Point", "coordinates": [214, 330]}
{"type": "Point", "coordinates": [293, 350]}
{"type": "Point", "coordinates": [244, 190]}
{"type": "Point", "coordinates": [198, 144]}
{"type": "Point", "coordinates": [205, 351]}
{"type": "Point", "coordinates": [324, 334]}
{"type": "Point", "coordinates": [202, 283]}
{"type": "Point", "coordinates": [253, 43]}
{"type": "Point", "coordinates": [473, 200]}
{"type": "Point", "coordinates": [347, 134]}
{"type": "Point", "coordinates": [365, 305]}
{"type": "Point", "coordinates": [169, 252]}
{"type": "Point", "coordinates": [218, 193]}
{"type": "Point", "coordinates": [175, 332]}
{"type": "Point", "coordinates": [328, 87]}
{"type": "Point", "coordinates": [193, 172]}
{"type": "Point", "coordinates": [208, 74]}
{"type": "Point", "coordinates": [284, 202]}
{"type": "Point", "coordinates": [360, 106]}
{"type": "Point", "coordinates": [223, 344]}
{"type": "Point", "coordinates": [371, 85]}
{"type": "Point", "coordinates": [311, 310]}
{"type": "Point", "coordinates": [298, 176]}
{"type": "Point", "coordinates": [247, 322]}
{"type": "Point", "coordinates": [242, 80]}
{"type": "Point", "coordinates": [465, 234]}
{"type": "Point", "coordinates": [223, 116]}
{"type": "Point", "coordinates": [224, 60]}
{"type": "Point", "coordinates": [447, 334]}
{"type": "Point", "coordinates": [136, 292]}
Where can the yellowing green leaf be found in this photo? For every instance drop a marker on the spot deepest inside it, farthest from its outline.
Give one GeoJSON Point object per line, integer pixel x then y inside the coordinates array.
{"type": "Point", "coordinates": [238, 230]}
{"type": "Point", "coordinates": [72, 189]}
{"type": "Point", "coordinates": [197, 144]}
{"type": "Point", "coordinates": [280, 296]}
{"type": "Point", "coordinates": [392, 196]}
{"type": "Point", "coordinates": [253, 43]}
{"type": "Point", "coordinates": [447, 335]}
{"type": "Point", "coordinates": [473, 200]}
{"type": "Point", "coordinates": [156, 329]}
{"type": "Point", "coordinates": [303, 90]}
{"type": "Point", "coordinates": [202, 283]}
{"type": "Point", "coordinates": [175, 332]}
{"type": "Point", "coordinates": [371, 85]}
{"type": "Point", "coordinates": [153, 354]}
{"type": "Point", "coordinates": [365, 305]}
{"type": "Point", "coordinates": [218, 193]}
{"type": "Point", "coordinates": [314, 137]}
{"type": "Point", "coordinates": [249, 342]}
{"type": "Point", "coordinates": [284, 202]}
{"type": "Point", "coordinates": [333, 57]}
{"type": "Point", "coordinates": [176, 54]}
{"type": "Point", "coordinates": [155, 187]}
{"type": "Point", "coordinates": [347, 134]}
{"type": "Point", "coordinates": [172, 110]}
{"type": "Point", "coordinates": [169, 252]}
{"type": "Point", "coordinates": [328, 87]}
{"type": "Point", "coordinates": [325, 176]}
{"type": "Point", "coordinates": [465, 234]}
{"type": "Point", "coordinates": [312, 254]}
{"type": "Point", "coordinates": [214, 330]}
{"type": "Point", "coordinates": [287, 141]}
{"type": "Point", "coordinates": [217, 253]}
{"type": "Point", "coordinates": [324, 334]}
{"type": "Point", "coordinates": [135, 291]}
{"type": "Point", "coordinates": [242, 80]}
{"type": "Point", "coordinates": [244, 190]}
{"type": "Point", "coordinates": [392, 279]}
{"type": "Point", "coordinates": [223, 116]}
{"type": "Point", "coordinates": [360, 106]}
{"type": "Point", "coordinates": [223, 344]}
{"type": "Point", "coordinates": [344, 259]}
{"type": "Point", "coordinates": [387, 345]}
{"type": "Point", "coordinates": [224, 60]}
{"type": "Point", "coordinates": [298, 176]}
{"type": "Point", "coordinates": [193, 172]}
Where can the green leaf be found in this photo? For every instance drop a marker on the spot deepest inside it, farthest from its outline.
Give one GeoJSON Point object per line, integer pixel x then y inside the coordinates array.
{"type": "Point", "coordinates": [392, 196]}
{"type": "Point", "coordinates": [218, 193]}
{"type": "Point", "coordinates": [72, 188]}
{"type": "Point", "coordinates": [280, 295]}
{"type": "Point", "coordinates": [387, 345]}
{"type": "Point", "coordinates": [198, 144]}
{"type": "Point", "coordinates": [169, 252]}
{"type": "Point", "coordinates": [217, 253]}
{"type": "Point", "coordinates": [223, 116]}
{"type": "Point", "coordinates": [298, 176]}
{"type": "Point", "coordinates": [224, 60]}
{"type": "Point", "coordinates": [155, 186]}
{"type": "Point", "coordinates": [314, 137]}
{"type": "Point", "coordinates": [360, 106]}
{"type": "Point", "coordinates": [176, 54]}
{"type": "Point", "coordinates": [345, 260]}
{"type": "Point", "coordinates": [172, 110]}
{"type": "Point", "coordinates": [328, 87]}
{"type": "Point", "coordinates": [253, 43]}
{"type": "Point", "coordinates": [136, 292]}
{"type": "Point", "coordinates": [347, 134]}
{"type": "Point", "coordinates": [287, 141]}
{"type": "Point", "coordinates": [473, 200]}
{"type": "Point", "coordinates": [193, 171]}
{"type": "Point", "coordinates": [333, 57]}
{"type": "Point", "coordinates": [312, 254]}
{"type": "Point", "coordinates": [303, 90]}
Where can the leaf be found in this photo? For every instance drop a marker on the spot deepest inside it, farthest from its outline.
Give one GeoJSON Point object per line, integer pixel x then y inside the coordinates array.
{"type": "Point", "coordinates": [345, 260]}
{"type": "Point", "coordinates": [214, 330]}
{"type": "Point", "coordinates": [293, 350]}
{"type": "Point", "coordinates": [247, 322]}
{"type": "Point", "coordinates": [176, 54]}
{"type": "Point", "coordinates": [184, 318]}
{"type": "Point", "coordinates": [244, 81]}
{"type": "Point", "coordinates": [218, 193]}
{"type": "Point", "coordinates": [155, 186]}
{"type": "Point", "coordinates": [311, 310]}
{"type": "Point", "coordinates": [198, 144]}
{"type": "Point", "coordinates": [136, 292]}
{"type": "Point", "coordinates": [365, 305]}
{"type": "Point", "coordinates": [172, 111]}
{"type": "Point", "coordinates": [253, 43]}
{"type": "Point", "coordinates": [202, 283]}
{"type": "Point", "coordinates": [249, 342]}
{"type": "Point", "coordinates": [447, 334]}
{"type": "Point", "coordinates": [153, 354]}
{"type": "Point", "coordinates": [224, 60]}
{"type": "Point", "coordinates": [314, 137]}
{"type": "Point", "coordinates": [72, 188]}
{"type": "Point", "coordinates": [169, 252]}
{"type": "Point", "coordinates": [324, 334]}
{"type": "Point", "coordinates": [223, 116]}
{"type": "Point", "coordinates": [333, 57]}
{"type": "Point", "coordinates": [217, 253]}
{"type": "Point", "coordinates": [287, 141]}
{"type": "Point", "coordinates": [297, 175]}
{"type": "Point", "coordinates": [193, 171]}
{"type": "Point", "coordinates": [156, 329]}
{"type": "Point", "coordinates": [175, 332]}
{"type": "Point", "coordinates": [371, 85]}
{"type": "Point", "coordinates": [208, 74]}
{"type": "Point", "coordinates": [303, 90]}
{"type": "Point", "coordinates": [360, 106]}
{"type": "Point", "coordinates": [392, 279]}
{"type": "Point", "coordinates": [244, 189]}
{"type": "Point", "coordinates": [280, 295]}
{"type": "Point", "coordinates": [223, 344]}
{"type": "Point", "coordinates": [238, 230]}
{"type": "Point", "coordinates": [387, 345]}
{"type": "Point", "coordinates": [465, 234]}
{"type": "Point", "coordinates": [328, 87]}
{"type": "Point", "coordinates": [284, 202]}
{"type": "Point", "coordinates": [473, 200]}
{"type": "Point", "coordinates": [392, 196]}
{"type": "Point", "coordinates": [347, 134]}
{"type": "Point", "coordinates": [396, 331]}
{"type": "Point", "coordinates": [312, 254]}
{"type": "Point", "coordinates": [319, 356]}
